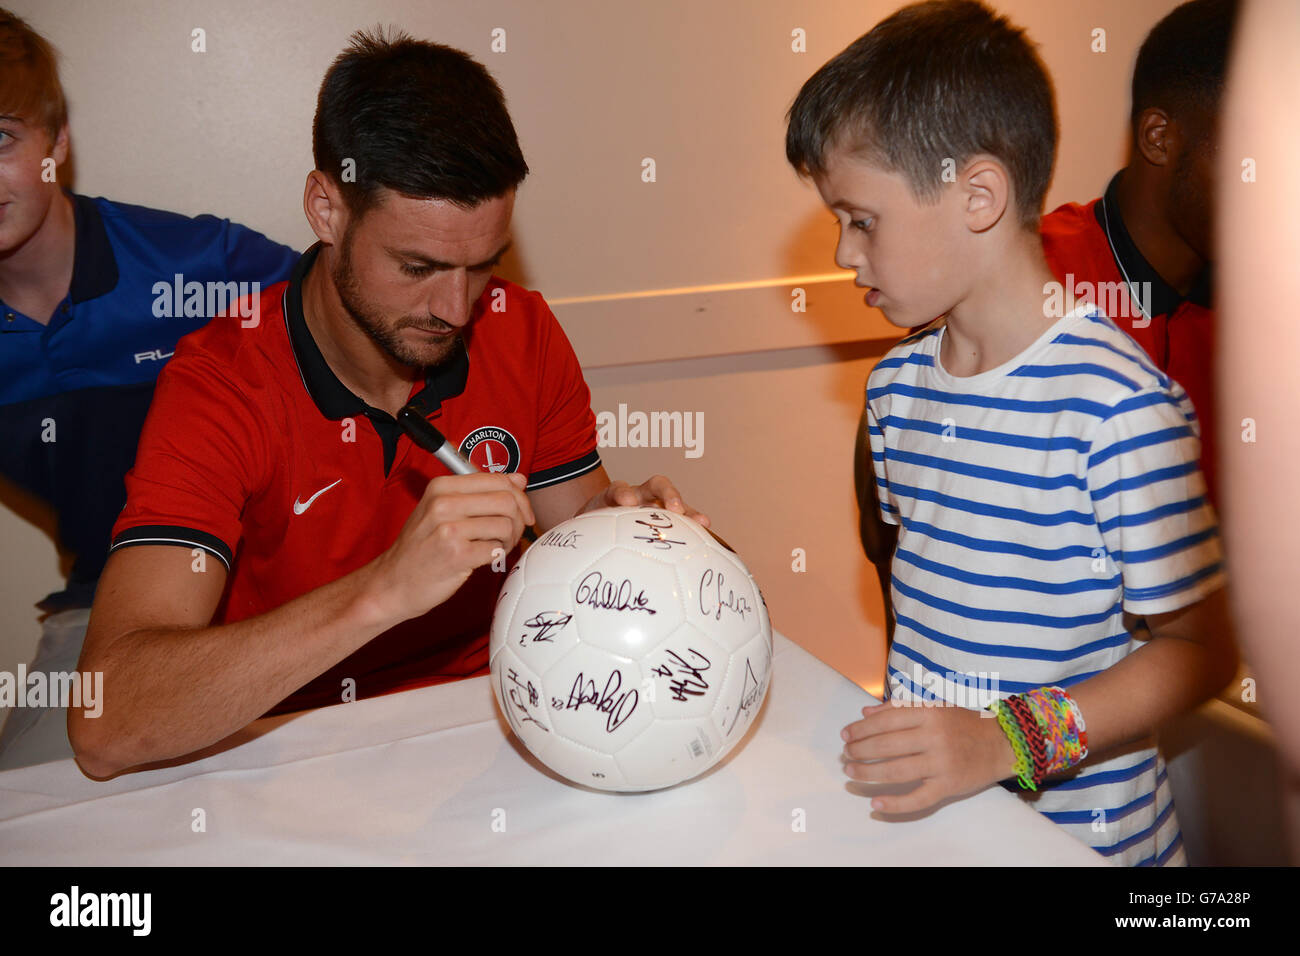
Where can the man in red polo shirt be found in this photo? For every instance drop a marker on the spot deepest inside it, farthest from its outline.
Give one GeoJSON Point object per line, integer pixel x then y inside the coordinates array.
{"type": "Point", "coordinates": [1143, 250]}
{"type": "Point", "coordinates": [283, 543]}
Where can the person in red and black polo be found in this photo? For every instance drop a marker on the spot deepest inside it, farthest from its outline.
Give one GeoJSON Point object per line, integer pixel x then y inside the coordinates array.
{"type": "Point", "coordinates": [283, 541]}
{"type": "Point", "coordinates": [1143, 251]}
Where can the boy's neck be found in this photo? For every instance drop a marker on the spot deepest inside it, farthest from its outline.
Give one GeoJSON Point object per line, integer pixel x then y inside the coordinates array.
{"type": "Point", "coordinates": [1006, 310]}
{"type": "Point", "coordinates": [36, 276]}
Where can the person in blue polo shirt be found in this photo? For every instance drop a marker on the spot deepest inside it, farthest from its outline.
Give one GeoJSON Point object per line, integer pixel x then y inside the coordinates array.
{"type": "Point", "coordinates": [94, 295]}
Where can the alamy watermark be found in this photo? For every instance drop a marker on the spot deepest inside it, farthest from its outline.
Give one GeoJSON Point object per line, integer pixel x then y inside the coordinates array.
{"type": "Point", "coordinates": [1118, 300]}
{"type": "Point", "coordinates": [638, 429]}
{"type": "Point", "coordinates": [129, 910]}
{"type": "Point", "coordinates": [974, 690]}
{"type": "Point", "coordinates": [199, 300]}
{"type": "Point", "coordinates": [55, 689]}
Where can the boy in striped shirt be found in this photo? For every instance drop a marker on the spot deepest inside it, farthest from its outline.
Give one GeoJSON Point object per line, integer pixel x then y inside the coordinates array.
{"type": "Point", "coordinates": [1052, 524]}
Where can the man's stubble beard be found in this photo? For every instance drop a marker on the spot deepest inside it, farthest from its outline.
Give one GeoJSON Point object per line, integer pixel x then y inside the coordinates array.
{"type": "Point", "coordinates": [388, 339]}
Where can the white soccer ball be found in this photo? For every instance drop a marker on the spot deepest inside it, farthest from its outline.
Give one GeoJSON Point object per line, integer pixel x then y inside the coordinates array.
{"type": "Point", "coordinates": [630, 650]}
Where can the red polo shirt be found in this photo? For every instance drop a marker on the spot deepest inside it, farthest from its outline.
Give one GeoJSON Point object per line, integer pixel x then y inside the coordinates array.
{"type": "Point", "coordinates": [1091, 244]}
{"type": "Point", "coordinates": [1086, 247]}
{"type": "Point", "coordinates": [254, 452]}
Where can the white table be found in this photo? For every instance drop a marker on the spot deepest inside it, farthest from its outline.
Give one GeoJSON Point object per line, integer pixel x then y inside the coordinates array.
{"type": "Point", "coordinates": [432, 776]}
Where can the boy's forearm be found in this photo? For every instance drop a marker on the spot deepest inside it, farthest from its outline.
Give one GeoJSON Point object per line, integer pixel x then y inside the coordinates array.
{"type": "Point", "coordinates": [1189, 659]}
{"type": "Point", "coordinates": [171, 691]}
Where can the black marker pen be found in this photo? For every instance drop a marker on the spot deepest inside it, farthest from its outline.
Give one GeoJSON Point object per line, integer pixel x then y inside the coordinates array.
{"type": "Point", "coordinates": [432, 440]}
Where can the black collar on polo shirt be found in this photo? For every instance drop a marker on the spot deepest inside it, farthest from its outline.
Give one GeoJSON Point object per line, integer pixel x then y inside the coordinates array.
{"type": "Point", "coordinates": [94, 267]}
{"type": "Point", "coordinates": [1165, 299]}
{"type": "Point", "coordinates": [334, 399]}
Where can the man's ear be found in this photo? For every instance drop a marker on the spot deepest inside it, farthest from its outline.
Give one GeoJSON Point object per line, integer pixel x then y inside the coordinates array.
{"type": "Point", "coordinates": [985, 192]}
{"type": "Point", "coordinates": [327, 213]}
{"type": "Point", "coordinates": [1152, 136]}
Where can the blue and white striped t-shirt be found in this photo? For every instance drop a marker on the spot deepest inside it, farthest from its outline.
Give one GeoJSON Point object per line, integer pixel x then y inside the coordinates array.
{"type": "Point", "coordinates": [1043, 507]}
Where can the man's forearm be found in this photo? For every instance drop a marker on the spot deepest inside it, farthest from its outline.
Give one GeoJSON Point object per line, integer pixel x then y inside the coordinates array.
{"type": "Point", "coordinates": [171, 691]}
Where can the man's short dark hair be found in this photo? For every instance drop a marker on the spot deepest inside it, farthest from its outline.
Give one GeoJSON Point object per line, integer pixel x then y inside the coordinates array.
{"type": "Point", "coordinates": [419, 118]}
{"type": "Point", "coordinates": [936, 81]}
{"type": "Point", "coordinates": [1181, 65]}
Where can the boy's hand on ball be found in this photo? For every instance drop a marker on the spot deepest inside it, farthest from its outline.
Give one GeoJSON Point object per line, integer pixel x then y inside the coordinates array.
{"type": "Point", "coordinates": [656, 492]}
{"type": "Point", "coordinates": [951, 750]}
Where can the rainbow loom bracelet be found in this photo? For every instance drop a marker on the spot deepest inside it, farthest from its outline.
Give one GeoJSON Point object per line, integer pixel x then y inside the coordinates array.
{"type": "Point", "coordinates": [1038, 745]}
{"type": "Point", "coordinates": [1011, 727]}
{"type": "Point", "coordinates": [1060, 723]}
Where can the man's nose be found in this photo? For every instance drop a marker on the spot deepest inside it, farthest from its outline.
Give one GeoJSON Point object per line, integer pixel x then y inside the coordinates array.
{"type": "Point", "coordinates": [450, 299]}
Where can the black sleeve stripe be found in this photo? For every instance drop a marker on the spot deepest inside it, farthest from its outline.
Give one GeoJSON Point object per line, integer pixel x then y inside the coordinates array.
{"type": "Point", "coordinates": [174, 535]}
{"type": "Point", "coordinates": [553, 476]}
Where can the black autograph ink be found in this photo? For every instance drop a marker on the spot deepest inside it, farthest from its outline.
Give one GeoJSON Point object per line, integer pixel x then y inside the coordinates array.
{"type": "Point", "coordinates": [657, 524]}
{"type": "Point", "coordinates": [505, 587]}
{"type": "Point", "coordinates": [749, 691]}
{"type": "Point", "coordinates": [523, 696]}
{"type": "Point", "coordinates": [712, 600]}
{"type": "Point", "coordinates": [544, 623]}
{"type": "Point", "coordinates": [616, 707]}
{"type": "Point", "coordinates": [595, 591]}
{"type": "Point", "coordinates": [691, 682]}
{"type": "Point", "coordinates": [554, 539]}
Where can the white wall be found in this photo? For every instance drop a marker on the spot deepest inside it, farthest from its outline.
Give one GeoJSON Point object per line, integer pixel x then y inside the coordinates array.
{"type": "Point", "coordinates": [594, 87]}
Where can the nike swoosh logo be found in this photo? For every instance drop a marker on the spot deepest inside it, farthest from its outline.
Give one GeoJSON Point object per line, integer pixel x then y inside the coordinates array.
{"type": "Point", "coordinates": [300, 506]}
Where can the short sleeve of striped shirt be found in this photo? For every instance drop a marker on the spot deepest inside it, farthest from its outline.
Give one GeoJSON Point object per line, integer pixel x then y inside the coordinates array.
{"type": "Point", "coordinates": [876, 436]}
{"type": "Point", "coordinates": [1150, 502]}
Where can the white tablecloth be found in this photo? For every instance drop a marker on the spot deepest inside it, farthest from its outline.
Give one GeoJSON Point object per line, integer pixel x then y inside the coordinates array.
{"type": "Point", "coordinates": [433, 776]}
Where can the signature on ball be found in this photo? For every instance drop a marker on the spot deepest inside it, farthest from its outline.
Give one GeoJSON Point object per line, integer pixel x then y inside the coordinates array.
{"type": "Point", "coordinates": [595, 591]}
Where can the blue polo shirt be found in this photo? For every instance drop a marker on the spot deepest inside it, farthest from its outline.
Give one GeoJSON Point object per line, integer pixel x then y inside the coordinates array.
{"type": "Point", "coordinates": [74, 391]}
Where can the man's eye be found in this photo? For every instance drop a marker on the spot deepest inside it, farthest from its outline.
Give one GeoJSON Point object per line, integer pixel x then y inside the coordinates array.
{"type": "Point", "coordinates": [863, 224]}
{"type": "Point", "coordinates": [411, 270]}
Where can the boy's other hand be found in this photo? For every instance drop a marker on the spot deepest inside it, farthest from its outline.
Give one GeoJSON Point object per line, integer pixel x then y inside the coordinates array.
{"type": "Point", "coordinates": [951, 750]}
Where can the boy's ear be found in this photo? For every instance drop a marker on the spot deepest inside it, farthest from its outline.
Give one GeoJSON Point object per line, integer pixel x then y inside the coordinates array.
{"type": "Point", "coordinates": [59, 146]}
{"type": "Point", "coordinates": [986, 191]}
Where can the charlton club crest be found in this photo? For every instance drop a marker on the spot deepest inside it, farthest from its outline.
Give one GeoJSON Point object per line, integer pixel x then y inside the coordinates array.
{"type": "Point", "coordinates": [491, 449]}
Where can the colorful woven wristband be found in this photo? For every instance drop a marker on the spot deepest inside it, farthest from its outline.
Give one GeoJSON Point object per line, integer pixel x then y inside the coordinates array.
{"type": "Point", "coordinates": [1032, 730]}
{"type": "Point", "coordinates": [1024, 768]}
{"type": "Point", "coordinates": [1059, 722]}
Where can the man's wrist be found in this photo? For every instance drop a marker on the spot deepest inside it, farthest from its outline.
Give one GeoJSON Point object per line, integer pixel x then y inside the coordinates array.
{"type": "Point", "coordinates": [368, 604]}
